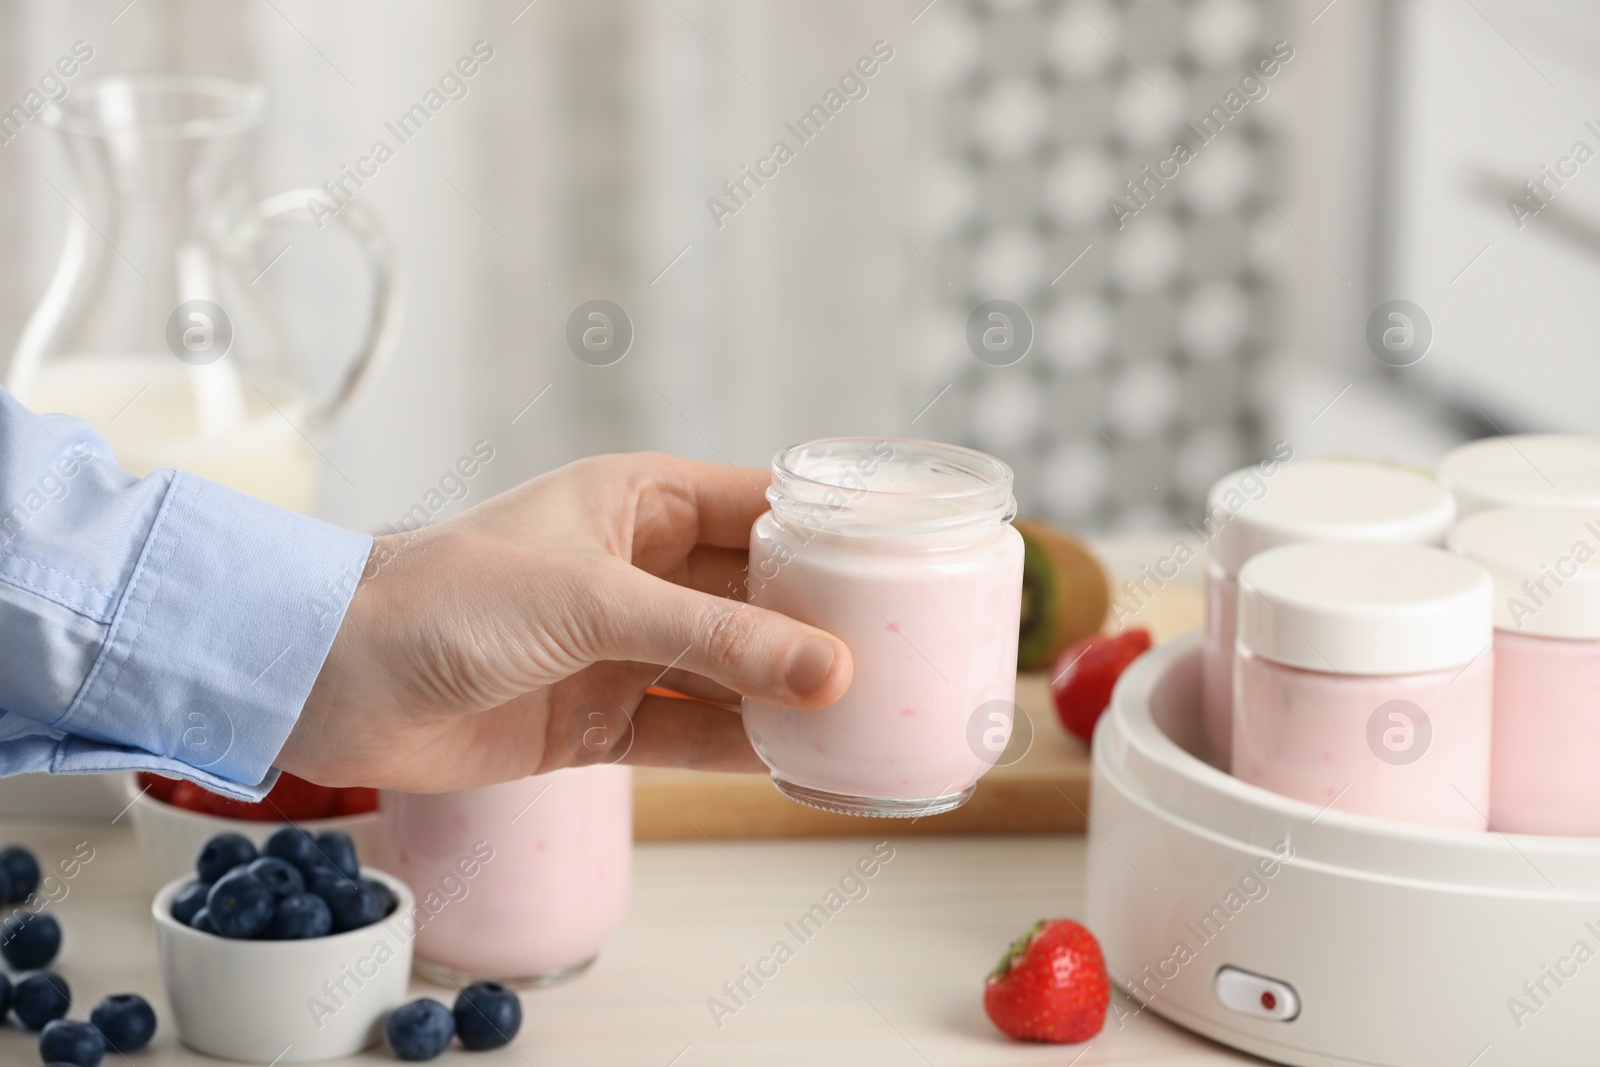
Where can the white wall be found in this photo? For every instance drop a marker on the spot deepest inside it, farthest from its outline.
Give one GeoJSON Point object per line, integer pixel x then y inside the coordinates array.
{"type": "Point", "coordinates": [1487, 99]}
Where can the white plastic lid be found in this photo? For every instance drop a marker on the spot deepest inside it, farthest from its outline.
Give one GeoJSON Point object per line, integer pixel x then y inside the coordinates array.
{"type": "Point", "coordinates": [1323, 500]}
{"type": "Point", "coordinates": [1355, 608]}
{"type": "Point", "coordinates": [1531, 470]}
{"type": "Point", "coordinates": [1545, 563]}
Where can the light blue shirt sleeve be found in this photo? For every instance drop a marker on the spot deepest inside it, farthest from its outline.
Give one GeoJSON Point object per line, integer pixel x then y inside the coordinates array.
{"type": "Point", "coordinates": [162, 623]}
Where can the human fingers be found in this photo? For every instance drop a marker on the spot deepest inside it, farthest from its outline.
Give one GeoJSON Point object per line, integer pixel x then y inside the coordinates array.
{"type": "Point", "coordinates": [658, 731]}
{"type": "Point", "coordinates": [694, 685]}
{"type": "Point", "coordinates": [714, 570]}
{"type": "Point", "coordinates": [751, 650]}
{"type": "Point", "coordinates": [726, 499]}
{"type": "Point", "coordinates": [672, 732]}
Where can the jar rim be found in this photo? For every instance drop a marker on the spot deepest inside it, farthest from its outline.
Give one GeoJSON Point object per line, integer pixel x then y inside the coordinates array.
{"type": "Point", "coordinates": [978, 490]}
{"type": "Point", "coordinates": [782, 463]}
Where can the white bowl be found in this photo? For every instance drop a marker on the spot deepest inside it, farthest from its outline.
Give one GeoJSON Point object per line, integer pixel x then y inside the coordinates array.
{"type": "Point", "coordinates": [284, 1001]}
{"type": "Point", "coordinates": [171, 838]}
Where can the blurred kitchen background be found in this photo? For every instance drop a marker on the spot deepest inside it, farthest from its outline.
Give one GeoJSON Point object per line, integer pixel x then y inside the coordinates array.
{"type": "Point", "coordinates": [1229, 313]}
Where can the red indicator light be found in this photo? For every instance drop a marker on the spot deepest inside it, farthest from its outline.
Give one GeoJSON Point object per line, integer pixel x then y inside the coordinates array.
{"type": "Point", "coordinates": [1269, 1000]}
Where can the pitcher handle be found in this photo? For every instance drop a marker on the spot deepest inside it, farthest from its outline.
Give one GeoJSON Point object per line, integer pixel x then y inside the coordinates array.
{"type": "Point", "coordinates": [383, 323]}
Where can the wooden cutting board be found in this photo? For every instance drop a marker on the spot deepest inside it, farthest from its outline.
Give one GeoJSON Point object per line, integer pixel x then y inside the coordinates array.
{"type": "Point", "coordinates": [1046, 791]}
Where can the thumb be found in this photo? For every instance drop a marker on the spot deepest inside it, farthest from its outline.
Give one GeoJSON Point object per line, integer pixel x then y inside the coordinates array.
{"type": "Point", "coordinates": [751, 650]}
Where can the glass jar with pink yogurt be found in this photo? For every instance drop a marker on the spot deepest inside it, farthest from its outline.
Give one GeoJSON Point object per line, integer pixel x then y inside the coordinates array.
{"type": "Point", "coordinates": [1272, 504]}
{"type": "Point", "coordinates": [1545, 563]}
{"type": "Point", "coordinates": [1364, 680]}
{"type": "Point", "coordinates": [905, 551]}
{"type": "Point", "coordinates": [520, 882]}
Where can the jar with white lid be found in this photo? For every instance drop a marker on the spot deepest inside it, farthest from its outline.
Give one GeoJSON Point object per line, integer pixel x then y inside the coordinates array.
{"type": "Point", "coordinates": [1545, 563]}
{"type": "Point", "coordinates": [1265, 506]}
{"type": "Point", "coordinates": [1525, 470]}
{"type": "Point", "coordinates": [905, 551]}
{"type": "Point", "coordinates": [1364, 680]}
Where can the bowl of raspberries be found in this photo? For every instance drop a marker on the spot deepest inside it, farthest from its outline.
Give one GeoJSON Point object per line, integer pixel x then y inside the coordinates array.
{"type": "Point", "coordinates": [287, 952]}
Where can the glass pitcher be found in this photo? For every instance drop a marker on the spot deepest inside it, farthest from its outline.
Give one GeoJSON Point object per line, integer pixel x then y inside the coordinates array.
{"type": "Point", "coordinates": [152, 327]}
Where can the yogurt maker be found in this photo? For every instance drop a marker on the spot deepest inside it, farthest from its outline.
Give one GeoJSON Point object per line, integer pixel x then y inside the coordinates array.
{"type": "Point", "coordinates": [1312, 936]}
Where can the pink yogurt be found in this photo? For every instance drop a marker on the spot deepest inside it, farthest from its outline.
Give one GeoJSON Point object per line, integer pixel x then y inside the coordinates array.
{"type": "Point", "coordinates": [1309, 735]}
{"type": "Point", "coordinates": [521, 882]}
{"type": "Point", "coordinates": [1364, 680]}
{"type": "Point", "coordinates": [925, 587]}
{"type": "Point", "coordinates": [1546, 735]}
{"type": "Point", "coordinates": [1545, 563]}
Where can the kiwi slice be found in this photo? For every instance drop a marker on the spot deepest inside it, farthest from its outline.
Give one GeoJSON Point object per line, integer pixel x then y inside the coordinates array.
{"type": "Point", "coordinates": [1065, 595]}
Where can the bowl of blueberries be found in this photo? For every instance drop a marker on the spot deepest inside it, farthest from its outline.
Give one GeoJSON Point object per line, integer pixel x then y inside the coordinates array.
{"type": "Point", "coordinates": [288, 953]}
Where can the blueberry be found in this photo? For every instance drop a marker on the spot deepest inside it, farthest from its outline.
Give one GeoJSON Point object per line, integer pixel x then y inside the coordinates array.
{"type": "Point", "coordinates": [488, 1015]}
{"type": "Point", "coordinates": [72, 1041]}
{"type": "Point", "coordinates": [202, 922]}
{"type": "Point", "coordinates": [29, 942]}
{"type": "Point", "coordinates": [21, 872]}
{"type": "Point", "coordinates": [278, 875]}
{"type": "Point", "coordinates": [356, 904]}
{"type": "Point", "coordinates": [294, 845]}
{"type": "Point", "coordinates": [40, 997]}
{"type": "Point", "coordinates": [240, 905]}
{"type": "Point", "coordinates": [324, 881]}
{"type": "Point", "coordinates": [190, 899]}
{"type": "Point", "coordinates": [337, 849]}
{"type": "Point", "coordinates": [127, 1021]}
{"type": "Point", "coordinates": [385, 894]}
{"type": "Point", "coordinates": [299, 916]}
{"type": "Point", "coordinates": [420, 1030]}
{"type": "Point", "coordinates": [222, 854]}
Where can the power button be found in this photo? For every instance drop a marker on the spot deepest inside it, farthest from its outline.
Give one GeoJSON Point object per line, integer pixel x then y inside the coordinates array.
{"type": "Point", "coordinates": [1256, 995]}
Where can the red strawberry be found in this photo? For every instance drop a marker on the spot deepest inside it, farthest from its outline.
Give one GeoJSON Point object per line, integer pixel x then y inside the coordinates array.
{"type": "Point", "coordinates": [1084, 675]}
{"type": "Point", "coordinates": [1051, 985]}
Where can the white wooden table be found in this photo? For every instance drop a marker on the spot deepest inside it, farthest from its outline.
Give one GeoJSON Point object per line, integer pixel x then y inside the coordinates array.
{"type": "Point", "coordinates": [893, 978]}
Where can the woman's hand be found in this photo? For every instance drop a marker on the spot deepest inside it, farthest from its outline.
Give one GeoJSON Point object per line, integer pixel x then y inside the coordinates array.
{"type": "Point", "coordinates": [521, 636]}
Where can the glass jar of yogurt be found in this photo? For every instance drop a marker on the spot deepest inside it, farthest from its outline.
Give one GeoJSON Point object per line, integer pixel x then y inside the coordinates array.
{"type": "Point", "coordinates": [1272, 504]}
{"type": "Point", "coordinates": [1364, 680]}
{"type": "Point", "coordinates": [1526, 470]}
{"type": "Point", "coordinates": [1545, 563]}
{"type": "Point", "coordinates": [520, 882]}
{"type": "Point", "coordinates": [905, 551]}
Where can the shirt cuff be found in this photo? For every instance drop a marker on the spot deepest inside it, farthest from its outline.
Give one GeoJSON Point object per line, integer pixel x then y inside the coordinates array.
{"type": "Point", "coordinates": [218, 638]}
